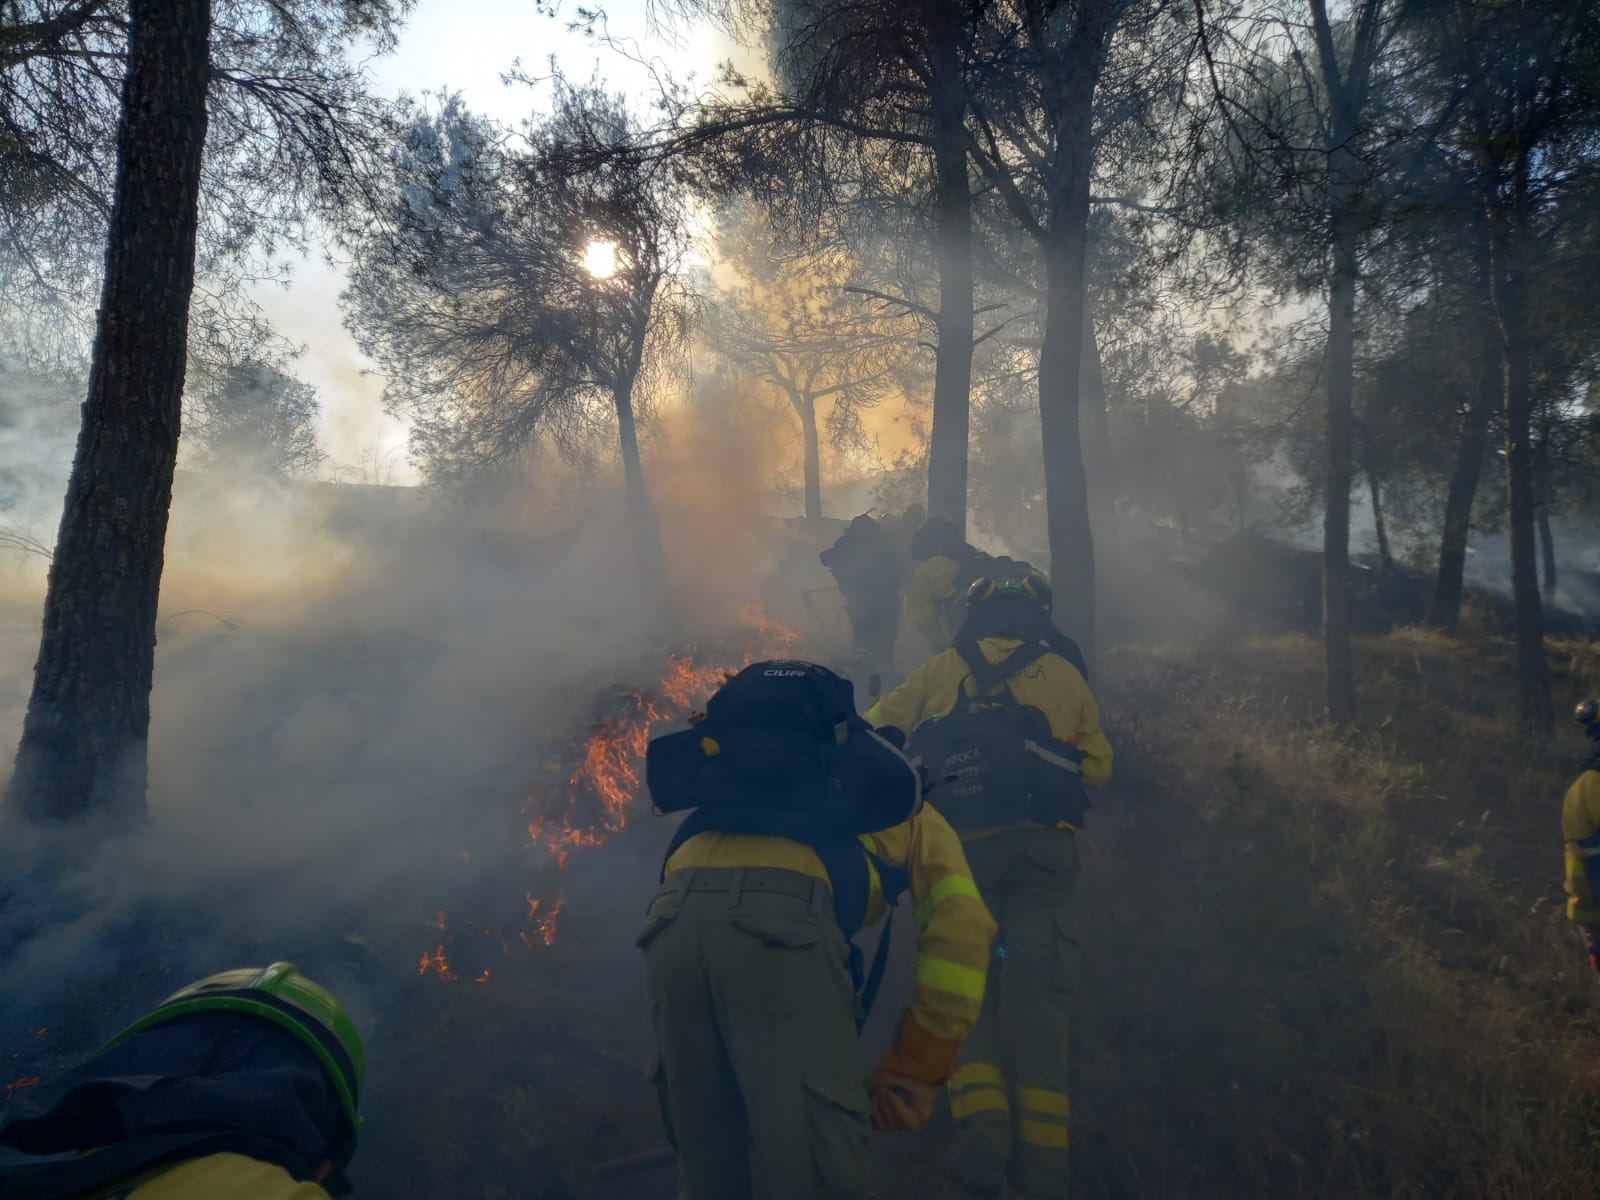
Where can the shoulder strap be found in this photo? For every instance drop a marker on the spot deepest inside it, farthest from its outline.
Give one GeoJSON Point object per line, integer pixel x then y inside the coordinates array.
{"type": "Point", "coordinates": [987, 676]}
{"type": "Point", "coordinates": [895, 881]}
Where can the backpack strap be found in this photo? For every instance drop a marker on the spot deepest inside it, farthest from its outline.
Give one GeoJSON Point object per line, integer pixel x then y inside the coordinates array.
{"type": "Point", "coordinates": [987, 676]}
{"type": "Point", "coordinates": [894, 881]}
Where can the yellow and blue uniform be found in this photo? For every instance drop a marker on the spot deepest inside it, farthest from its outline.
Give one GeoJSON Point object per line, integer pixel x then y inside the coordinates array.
{"type": "Point", "coordinates": [1009, 1094]}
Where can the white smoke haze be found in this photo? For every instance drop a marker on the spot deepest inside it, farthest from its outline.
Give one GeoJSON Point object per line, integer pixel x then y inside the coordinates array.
{"type": "Point", "coordinates": [357, 689]}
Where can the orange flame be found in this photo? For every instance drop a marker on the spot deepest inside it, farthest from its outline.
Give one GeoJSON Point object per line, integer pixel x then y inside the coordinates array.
{"type": "Point", "coordinates": [16, 1085]}
{"type": "Point", "coordinates": [440, 918]}
{"type": "Point", "coordinates": [436, 962]}
{"type": "Point", "coordinates": [484, 978]}
{"type": "Point", "coordinates": [603, 780]}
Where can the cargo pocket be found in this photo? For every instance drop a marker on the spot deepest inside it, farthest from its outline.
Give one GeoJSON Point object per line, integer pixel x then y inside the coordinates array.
{"type": "Point", "coordinates": [657, 1076]}
{"type": "Point", "coordinates": [1066, 962]}
{"type": "Point", "coordinates": [838, 1122]}
{"type": "Point", "coordinates": [785, 973]}
{"type": "Point", "coordinates": [663, 911]}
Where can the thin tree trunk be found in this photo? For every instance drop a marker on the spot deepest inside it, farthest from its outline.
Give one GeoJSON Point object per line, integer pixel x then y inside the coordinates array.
{"type": "Point", "coordinates": [1473, 444]}
{"type": "Point", "coordinates": [952, 377]}
{"type": "Point", "coordinates": [1096, 428]}
{"type": "Point", "coordinates": [807, 408]}
{"type": "Point", "coordinates": [1533, 677]}
{"type": "Point", "coordinates": [1547, 556]}
{"type": "Point", "coordinates": [85, 738]}
{"type": "Point", "coordinates": [1338, 665]}
{"type": "Point", "coordinates": [1379, 525]}
{"type": "Point", "coordinates": [641, 512]}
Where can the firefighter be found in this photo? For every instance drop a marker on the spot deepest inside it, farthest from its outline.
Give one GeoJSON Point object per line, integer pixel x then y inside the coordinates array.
{"type": "Point", "coordinates": [940, 553]}
{"type": "Point", "coordinates": [243, 1085]}
{"type": "Point", "coordinates": [1580, 828]}
{"type": "Point", "coordinates": [867, 566]}
{"type": "Point", "coordinates": [1021, 739]}
{"type": "Point", "coordinates": [805, 827]}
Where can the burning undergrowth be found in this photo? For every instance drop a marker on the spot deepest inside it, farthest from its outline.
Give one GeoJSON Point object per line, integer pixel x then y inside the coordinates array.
{"type": "Point", "coordinates": [584, 792]}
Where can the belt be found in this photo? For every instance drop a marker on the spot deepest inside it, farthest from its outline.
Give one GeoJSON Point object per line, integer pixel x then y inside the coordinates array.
{"type": "Point", "coordinates": [774, 881]}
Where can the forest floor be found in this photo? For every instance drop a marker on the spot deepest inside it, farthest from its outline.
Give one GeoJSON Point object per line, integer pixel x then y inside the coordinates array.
{"type": "Point", "coordinates": [1316, 966]}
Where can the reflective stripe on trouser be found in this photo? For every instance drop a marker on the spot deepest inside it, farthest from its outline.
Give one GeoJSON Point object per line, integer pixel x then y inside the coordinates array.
{"type": "Point", "coordinates": [754, 1015]}
{"type": "Point", "coordinates": [1010, 1093]}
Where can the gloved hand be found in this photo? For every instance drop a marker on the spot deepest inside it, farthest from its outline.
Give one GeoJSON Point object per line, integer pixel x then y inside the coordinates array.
{"type": "Point", "coordinates": [906, 1084]}
{"type": "Point", "coordinates": [1591, 943]}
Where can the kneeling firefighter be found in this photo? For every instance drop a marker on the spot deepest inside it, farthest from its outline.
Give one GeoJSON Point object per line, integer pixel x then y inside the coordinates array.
{"type": "Point", "coordinates": [805, 827]}
{"type": "Point", "coordinates": [1580, 829]}
{"type": "Point", "coordinates": [1009, 733]}
{"type": "Point", "coordinates": [244, 1085]}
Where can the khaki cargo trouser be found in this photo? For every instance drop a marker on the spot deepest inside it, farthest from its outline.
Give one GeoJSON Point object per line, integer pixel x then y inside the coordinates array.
{"type": "Point", "coordinates": [760, 1075]}
{"type": "Point", "coordinates": [1009, 1094]}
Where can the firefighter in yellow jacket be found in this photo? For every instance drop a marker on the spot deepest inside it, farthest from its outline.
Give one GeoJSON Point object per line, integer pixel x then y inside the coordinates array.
{"type": "Point", "coordinates": [1580, 829]}
{"type": "Point", "coordinates": [244, 1085]}
{"type": "Point", "coordinates": [1007, 726]}
{"type": "Point", "coordinates": [941, 557]}
{"type": "Point", "coordinates": [756, 990]}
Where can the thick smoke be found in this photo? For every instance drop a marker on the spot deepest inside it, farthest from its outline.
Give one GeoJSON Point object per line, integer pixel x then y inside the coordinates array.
{"type": "Point", "coordinates": [358, 689]}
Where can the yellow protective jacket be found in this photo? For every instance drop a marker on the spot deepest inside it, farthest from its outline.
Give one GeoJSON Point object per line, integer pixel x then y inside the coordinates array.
{"type": "Point", "coordinates": [1051, 684]}
{"type": "Point", "coordinates": [954, 929]}
{"type": "Point", "coordinates": [219, 1176]}
{"type": "Point", "coordinates": [928, 597]}
{"type": "Point", "coordinates": [1580, 829]}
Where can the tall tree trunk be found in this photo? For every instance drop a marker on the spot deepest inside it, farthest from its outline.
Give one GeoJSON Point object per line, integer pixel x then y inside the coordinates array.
{"type": "Point", "coordinates": [952, 376]}
{"type": "Point", "coordinates": [1379, 525]}
{"type": "Point", "coordinates": [1096, 428]}
{"type": "Point", "coordinates": [1471, 447]}
{"type": "Point", "coordinates": [1547, 556]}
{"type": "Point", "coordinates": [1071, 535]}
{"type": "Point", "coordinates": [652, 573]}
{"type": "Point", "coordinates": [807, 408]}
{"type": "Point", "coordinates": [1343, 170]}
{"type": "Point", "coordinates": [85, 738]}
{"type": "Point", "coordinates": [1533, 677]}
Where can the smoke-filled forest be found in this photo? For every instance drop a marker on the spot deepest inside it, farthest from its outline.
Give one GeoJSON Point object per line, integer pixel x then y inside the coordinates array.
{"type": "Point", "coordinates": [1267, 330]}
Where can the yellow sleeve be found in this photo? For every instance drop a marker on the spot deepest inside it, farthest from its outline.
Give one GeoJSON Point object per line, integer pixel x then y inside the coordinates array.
{"type": "Point", "coordinates": [954, 928]}
{"type": "Point", "coordinates": [932, 585]}
{"type": "Point", "coordinates": [231, 1175]}
{"type": "Point", "coordinates": [1061, 693]}
{"type": "Point", "coordinates": [918, 697]}
{"type": "Point", "coordinates": [1092, 740]}
{"type": "Point", "coordinates": [1580, 830]}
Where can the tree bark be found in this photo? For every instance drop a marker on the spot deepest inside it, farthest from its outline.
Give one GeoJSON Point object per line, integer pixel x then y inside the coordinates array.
{"type": "Point", "coordinates": [1508, 226]}
{"type": "Point", "coordinates": [1379, 525]}
{"type": "Point", "coordinates": [1343, 171]}
{"type": "Point", "coordinates": [1096, 428]}
{"type": "Point", "coordinates": [84, 746]}
{"type": "Point", "coordinates": [807, 408]}
{"type": "Point", "coordinates": [1473, 444]}
{"type": "Point", "coordinates": [652, 573]}
{"type": "Point", "coordinates": [1071, 534]}
{"type": "Point", "coordinates": [952, 376]}
{"type": "Point", "coordinates": [1547, 556]}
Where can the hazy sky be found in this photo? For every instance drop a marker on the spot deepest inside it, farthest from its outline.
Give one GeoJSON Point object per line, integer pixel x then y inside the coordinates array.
{"type": "Point", "coordinates": [465, 46]}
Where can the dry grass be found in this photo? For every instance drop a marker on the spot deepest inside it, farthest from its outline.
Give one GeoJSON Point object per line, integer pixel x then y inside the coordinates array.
{"type": "Point", "coordinates": [1333, 966]}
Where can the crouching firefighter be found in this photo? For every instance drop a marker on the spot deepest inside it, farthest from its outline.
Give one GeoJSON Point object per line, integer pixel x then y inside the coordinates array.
{"type": "Point", "coordinates": [804, 826]}
{"type": "Point", "coordinates": [1580, 829]}
{"type": "Point", "coordinates": [244, 1085]}
{"type": "Point", "coordinates": [1008, 732]}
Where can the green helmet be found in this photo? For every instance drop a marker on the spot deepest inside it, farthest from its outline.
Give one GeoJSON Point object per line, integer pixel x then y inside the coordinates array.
{"type": "Point", "coordinates": [288, 999]}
